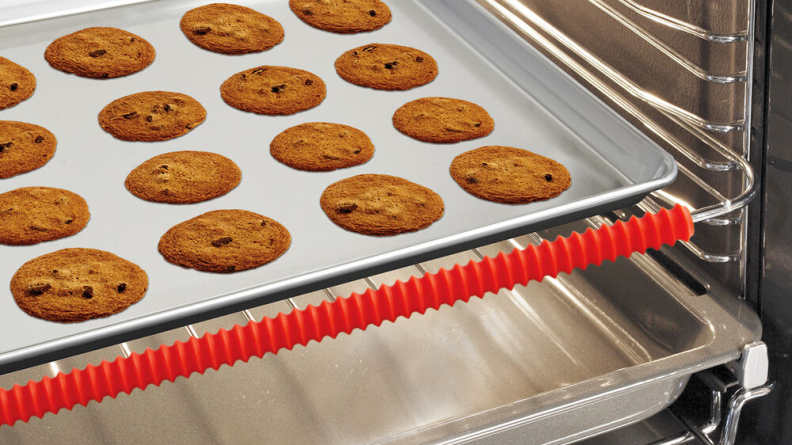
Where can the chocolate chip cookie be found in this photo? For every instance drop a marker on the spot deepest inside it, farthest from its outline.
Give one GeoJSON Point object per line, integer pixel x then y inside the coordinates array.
{"type": "Point", "coordinates": [381, 205]}
{"type": "Point", "coordinates": [31, 215]}
{"type": "Point", "coordinates": [509, 175]}
{"type": "Point", "coordinates": [386, 67]}
{"type": "Point", "coordinates": [73, 285]}
{"type": "Point", "coordinates": [151, 116]}
{"type": "Point", "coordinates": [273, 90]}
{"type": "Point", "coordinates": [231, 29]}
{"type": "Point", "coordinates": [24, 147]}
{"type": "Point", "coordinates": [100, 53]}
{"type": "Point", "coordinates": [443, 120]}
{"type": "Point", "coordinates": [321, 146]}
{"type": "Point", "coordinates": [344, 17]}
{"type": "Point", "coordinates": [183, 177]}
{"type": "Point", "coordinates": [225, 241]}
{"type": "Point", "coordinates": [16, 83]}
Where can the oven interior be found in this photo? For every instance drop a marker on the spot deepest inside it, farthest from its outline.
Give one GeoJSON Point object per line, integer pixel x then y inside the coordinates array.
{"type": "Point", "coordinates": [568, 359]}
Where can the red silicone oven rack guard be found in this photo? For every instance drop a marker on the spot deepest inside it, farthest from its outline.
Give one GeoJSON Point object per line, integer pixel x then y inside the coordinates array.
{"type": "Point", "coordinates": [344, 315]}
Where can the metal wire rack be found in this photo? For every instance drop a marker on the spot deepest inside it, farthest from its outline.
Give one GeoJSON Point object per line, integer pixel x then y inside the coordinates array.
{"type": "Point", "coordinates": [732, 160]}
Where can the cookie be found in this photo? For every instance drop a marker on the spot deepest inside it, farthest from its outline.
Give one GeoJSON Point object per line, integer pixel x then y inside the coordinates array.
{"type": "Point", "coordinates": [344, 17]}
{"type": "Point", "coordinates": [24, 147]}
{"type": "Point", "coordinates": [225, 241]}
{"type": "Point", "coordinates": [231, 29]}
{"type": "Point", "coordinates": [443, 120]}
{"type": "Point", "coordinates": [16, 83]}
{"type": "Point", "coordinates": [31, 215]}
{"type": "Point", "coordinates": [381, 205]}
{"type": "Point", "coordinates": [509, 175]}
{"type": "Point", "coordinates": [151, 116]}
{"type": "Point", "coordinates": [100, 53]}
{"type": "Point", "coordinates": [321, 146]}
{"type": "Point", "coordinates": [183, 177]}
{"type": "Point", "coordinates": [73, 285]}
{"type": "Point", "coordinates": [273, 90]}
{"type": "Point", "coordinates": [386, 67]}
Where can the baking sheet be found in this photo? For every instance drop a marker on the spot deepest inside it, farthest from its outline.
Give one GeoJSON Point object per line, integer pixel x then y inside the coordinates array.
{"type": "Point", "coordinates": [534, 105]}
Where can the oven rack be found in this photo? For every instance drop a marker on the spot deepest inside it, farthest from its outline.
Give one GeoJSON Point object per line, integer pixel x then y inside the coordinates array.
{"type": "Point", "coordinates": [732, 160]}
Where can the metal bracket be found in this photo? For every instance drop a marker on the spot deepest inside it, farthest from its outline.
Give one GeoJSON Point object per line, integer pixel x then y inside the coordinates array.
{"type": "Point", "coordinates": [751, 373]}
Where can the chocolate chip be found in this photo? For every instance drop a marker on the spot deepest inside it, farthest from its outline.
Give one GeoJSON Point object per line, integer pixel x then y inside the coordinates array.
{"type": "Point", "coordinates": [372, 13]}
{"type": "Point", "coordinates": [477, 124]}
{"type": "Point", "coordinates": [263, 223]}
{"type": "Point", "coordinates": [278, 88]}
{"type": "Point", "coordinates": [167, 108]}
{"type": "Point", "coordinates": [105, 75]}
{"type": "Point", "coordinates": [308, 82]}
{"type": "Point", "coordinates": [419, 59]}
{"type": "Point", "coordinates": [55, 272]}
{"type": "Point", "coordinates": [14, 86]}
{"type": "Point", "coordinates": [471, 179]}
{"type": "Point", "coordinates": [39, 288]}
{"type": "Point", "coordinates": [6, 145]}
{"type": "Point", "coordinates": [231, 268]}
{"type": "Point", "coordinates": [163, 166]}
{"type": "Point", "coordinates": [222, 241]}
{"type": "Point", "coordinates": [165, 191]}
{"type": "Point", "coordinates": [39, 139]}
{"type": "Point", "coordinates": [484, 164]}
{"type": "Point", "coordinates": [150, 118]}
{"type": "Point", "coordinates": [356, 151]}
{"type": "Point", "coordinates": [69, 221]}
{"type": "Point", "coordinates": [257, 71]}
{"type": "Point", "coordinates": [87, 292]}
{"type": "Point", "coordinates": [244, 76]}
{"type": "Point", "coordinates": [97, 53]}
{"type": "Point", "coordinates": [369, 49]}
{"type": "Point", "coordinates": [346, 208]}
{"type": "Point", "coordinates": [202, 30]}
{"type": "Point", "coordinates": [548, 177]}
{"type": "Point", "coordinates": [307, 11]}
{"type": "Point", "coordinates": [391, 65]}
{"type": "Point", "coordinates": [130, 115]}
{"type": "Point", "coordinates": [132, 39]}
{"type": "Point", "coordinates": [121, 288]}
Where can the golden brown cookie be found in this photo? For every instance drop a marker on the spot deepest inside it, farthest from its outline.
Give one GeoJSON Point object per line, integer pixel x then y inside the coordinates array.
{"type": "Point", "coordinates": [183, 177]}
{"type": "Point", "coordinates": [24, 147]}
{"type": "Point", "coordinates": [443, 120]}
{"type": "Point", "coordinates": [509, 175]}
{"type": "Point", "coordinates": [231, 29]}
{"type": "Point", "coordinates": [100, 53]}
{"type": "Point", "coordinates": [273, 90]}
{"type": "Point", "coordinates": [381, 205]}
{"type": "Point", "coordinates": [73, 285]}
{"type": "Point", "coordinates": [151, 116]}
{"type": "Point", "coordinates": [16, 83]}
{"type": "Point", "coordinates": [321, 146]}
{"type": "Point", "coordinates": [342, 16]}
{"type": "Point", "coordinates": [386, 67]}
{"type": "Point", "coordinates": [31, 215]}
{"type": "Point", "coordinates": [225, 241]}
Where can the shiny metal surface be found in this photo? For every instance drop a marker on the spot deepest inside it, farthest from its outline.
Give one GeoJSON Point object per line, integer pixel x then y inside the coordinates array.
{"type": "Point", "coordinates": [535, 103]}
{"type": "Point", "coordinates": [551, 362]}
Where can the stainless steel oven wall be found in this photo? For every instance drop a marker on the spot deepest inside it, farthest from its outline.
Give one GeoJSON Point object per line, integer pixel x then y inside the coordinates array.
{"type": "Point", "coordinates": [603, 27]}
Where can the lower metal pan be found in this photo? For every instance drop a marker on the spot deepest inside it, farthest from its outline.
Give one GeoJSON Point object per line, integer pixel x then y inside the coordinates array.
{"type": "Point", "coordinates": [551, 362]}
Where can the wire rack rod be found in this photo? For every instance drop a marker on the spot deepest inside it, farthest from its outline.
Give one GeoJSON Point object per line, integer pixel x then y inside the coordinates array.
{"type": "Point", "coordinates": [530, 23]}
{"type": "Point", "coordinates": [667, 50]}
{"type": "Point", "coordinates": [683, 26]}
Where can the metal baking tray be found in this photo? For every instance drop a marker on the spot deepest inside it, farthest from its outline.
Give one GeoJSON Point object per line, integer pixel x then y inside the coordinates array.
{"type": "Point", "coordinates": [535, 106]}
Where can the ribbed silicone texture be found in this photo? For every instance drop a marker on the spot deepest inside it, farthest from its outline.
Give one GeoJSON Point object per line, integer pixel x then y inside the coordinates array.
{"type": "Point", "coordinates": [343, 315]}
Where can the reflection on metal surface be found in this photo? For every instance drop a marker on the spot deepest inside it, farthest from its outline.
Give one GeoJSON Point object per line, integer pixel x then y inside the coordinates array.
{"type": "Point", "coordinates": [683, 26]}
{"type": "Point", "coordinates": [669, 52]}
